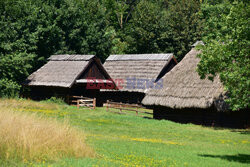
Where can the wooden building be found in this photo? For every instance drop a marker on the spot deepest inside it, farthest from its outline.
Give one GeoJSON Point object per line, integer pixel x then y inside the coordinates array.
{"type": "Point", "coordinates": [68, 75]}
{"type": "Point", "coordinates": [135, 73]}
{"type": "Point", "coordinates": [186, 98]}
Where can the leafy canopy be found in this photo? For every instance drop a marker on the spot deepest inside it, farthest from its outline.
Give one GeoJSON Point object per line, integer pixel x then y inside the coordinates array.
{"type": "Point", "coordinates": [32, 30]}
{"type": "Point", "coordinates": [227, 51]}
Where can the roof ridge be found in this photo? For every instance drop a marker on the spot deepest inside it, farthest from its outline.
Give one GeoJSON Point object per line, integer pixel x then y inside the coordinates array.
{"type": "Point", "coordinates": [129, 57]}
{"type": "Point", "coordinates": [68, 57]}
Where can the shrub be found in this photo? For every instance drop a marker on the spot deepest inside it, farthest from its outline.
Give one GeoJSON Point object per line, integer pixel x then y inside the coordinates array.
{"type": "Point", "coordinates": [56, 100]}
{"type": "Point", "coordinates": [9, 88]}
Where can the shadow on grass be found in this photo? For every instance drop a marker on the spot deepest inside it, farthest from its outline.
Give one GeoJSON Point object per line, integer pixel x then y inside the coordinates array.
{"type": "Point", "coordinates": [241, 131]}
{"type": "Point", "coordinates": [242, 158]}
{"type": "Point", "coordinates": [220, 128]}
{"type": "Point", "coordinates": [147, 117]}
{"type": "Point", "coordinates": [245, 132]}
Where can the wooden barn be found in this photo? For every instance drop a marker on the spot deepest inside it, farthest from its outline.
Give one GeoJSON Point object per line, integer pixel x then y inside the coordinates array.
{"type": "Point", "coordinates": [186, 98]}
{"type": "Point", "coordinates": [134, 73]}
{"type": "Point", "coordinates": [68, 75]}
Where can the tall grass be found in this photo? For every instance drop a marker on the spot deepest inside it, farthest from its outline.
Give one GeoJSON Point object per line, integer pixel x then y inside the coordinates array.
{"type": "Point", "coordinates": [28, 137]}
{"type": "Point", "coordinates": [19, 104]}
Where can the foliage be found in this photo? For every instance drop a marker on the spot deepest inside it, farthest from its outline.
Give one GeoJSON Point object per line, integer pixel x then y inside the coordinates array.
{"type": "Point", "coordinates": [32, 30]}
{"type": "Point", "coordinates": [227, 53]}
{"type": "Point", "coordinates": [158, 27]}
{"type": "Point", "coordinates": [9, 88]}
{"type": "Point", "coordinates": [144, 29]}
{"type": "Point", "coordinates": [185, 26]}
{"type": "Point", "coordinates": [55, 100]}
{"type": "Point", "coordinates": [214, 14]}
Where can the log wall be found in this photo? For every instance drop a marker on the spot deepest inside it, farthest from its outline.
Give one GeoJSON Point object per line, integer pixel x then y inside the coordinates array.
{"type": "Point", "coordinates": [206, 117]}
{"type": "Point", "coordinates": [124, 97]}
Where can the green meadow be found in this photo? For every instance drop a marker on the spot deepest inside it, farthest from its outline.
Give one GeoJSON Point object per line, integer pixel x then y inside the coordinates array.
{"type": "Point", "coordinates": [129, 140]}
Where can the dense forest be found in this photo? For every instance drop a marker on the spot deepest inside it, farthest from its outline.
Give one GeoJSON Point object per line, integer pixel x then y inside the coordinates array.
{"type": "Point", "coordinates": [32, 30]}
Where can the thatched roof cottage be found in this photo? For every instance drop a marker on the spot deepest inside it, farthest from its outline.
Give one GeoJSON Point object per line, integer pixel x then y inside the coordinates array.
{"type": "Point", "coordinates": [187, 98]}
{"type": "Point", "coordinates": [183, 88]}
{"type": "Point", "coordinates": [134, 73]}
{"type": "Point", "coordinates": [67, 75]}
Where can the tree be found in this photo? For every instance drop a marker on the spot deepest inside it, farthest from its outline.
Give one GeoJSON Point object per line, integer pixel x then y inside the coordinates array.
{"type": "Point", "coordinates": [185, 24]}
{"type": "Point", "coordinates": [17, 47]}
{"type": "Point", "coordinates": [163, 27]}
{"type": "Point", "coordinates": [32, 30]}
{"type": "Point", "coordinates": [144, 28]}
{"type": "Point", "coordinates": [228, 55]}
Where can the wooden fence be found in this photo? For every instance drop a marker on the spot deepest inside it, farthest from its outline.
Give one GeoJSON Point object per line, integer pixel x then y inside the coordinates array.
{"type": "Point", "coordinates": [81, 101]}
{"type": "Point", "coordinates": [124, 107]}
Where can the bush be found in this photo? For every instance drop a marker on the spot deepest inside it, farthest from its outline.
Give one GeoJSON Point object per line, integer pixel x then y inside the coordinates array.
{"type": "Point", "coordinates": [55, 100]}
{"type": "Point", "coordinates": [9, 88]}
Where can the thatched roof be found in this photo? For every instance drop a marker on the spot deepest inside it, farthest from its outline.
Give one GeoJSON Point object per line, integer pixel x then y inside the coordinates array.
{"type": "Point", "coordinates": [198, 43]}
{"type": "Point", "coordinates": [183, 88]}
{"type": "Point", "coordinates": [71, 57]}
{"type": "Point", "coordinates": [62, 70]}
{"type": "Point", "coordinates": [140, 57]}
{"type": "Point", "coordinates": [137, 66]}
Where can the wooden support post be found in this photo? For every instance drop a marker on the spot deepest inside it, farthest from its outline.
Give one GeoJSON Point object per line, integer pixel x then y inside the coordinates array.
{"type": "Point", "coordinates": [137, 109]}
{"type": "Point", "coordinates": [94, 103]}
{"type": "Point", "coordinates": [120, 107]}
{"type": "Point", "coordinates": [107, 106]}
{"type": "Point", "coordinates": [68, 99]}
{"type": "Point", "coordinates": [77, 104]}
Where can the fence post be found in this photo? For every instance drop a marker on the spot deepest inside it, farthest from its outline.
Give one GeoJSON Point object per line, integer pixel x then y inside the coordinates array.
{"type": "Point", "coordinates": [77, 101]}
{"type": "Point", "coordinates": [136, 109]}
{"type": "Point", "coordinates": [68, 99]}
{"type": "Point", "coordinates": [120, 107]}
{"type": "Point", "coordinates": [94, 103]}
{"type": "Point", "coordinates": [107, 106]}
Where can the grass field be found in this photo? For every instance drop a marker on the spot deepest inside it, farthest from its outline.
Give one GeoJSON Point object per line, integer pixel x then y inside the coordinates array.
{"type": "Point", "coordinates": [127, 140]}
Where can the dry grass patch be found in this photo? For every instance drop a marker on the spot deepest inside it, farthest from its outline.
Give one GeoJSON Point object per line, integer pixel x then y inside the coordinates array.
{"type": "Point", "coordinates": [28, 137]}
{"type": "Point", "coordinates": [24, 104]}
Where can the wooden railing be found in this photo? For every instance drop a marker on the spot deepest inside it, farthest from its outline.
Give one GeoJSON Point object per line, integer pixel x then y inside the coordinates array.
{"type": "Point", "coordinates": [124, 107]}
{"type": "Point", "coordinates": [81, 101]}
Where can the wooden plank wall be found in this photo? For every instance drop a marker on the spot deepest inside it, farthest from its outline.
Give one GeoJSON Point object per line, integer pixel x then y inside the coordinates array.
{"type": "Point", "coordinates": [206, 117]}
